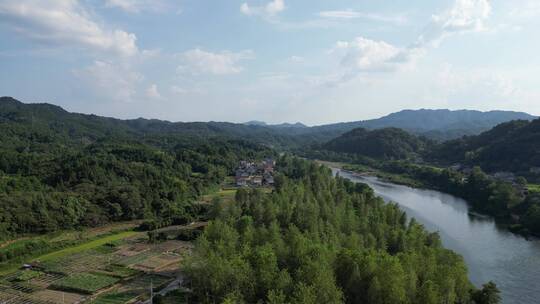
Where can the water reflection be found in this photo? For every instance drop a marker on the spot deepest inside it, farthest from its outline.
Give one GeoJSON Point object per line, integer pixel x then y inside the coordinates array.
{"type": "Point", "coordinates": [491, 253]}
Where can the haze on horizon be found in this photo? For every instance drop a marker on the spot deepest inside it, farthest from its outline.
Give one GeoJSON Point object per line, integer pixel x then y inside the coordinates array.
{"type": "Point", "coordinates": [276, 61]}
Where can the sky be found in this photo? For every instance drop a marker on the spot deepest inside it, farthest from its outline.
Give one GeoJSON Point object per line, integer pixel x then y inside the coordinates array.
{"type": "Point", "coordinates": [313, 61]}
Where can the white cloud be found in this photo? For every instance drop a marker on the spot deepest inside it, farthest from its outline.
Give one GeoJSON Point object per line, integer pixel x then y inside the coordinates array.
{"type": "Point", "coordinates": [137, 6]}
{"type": "Point", "coordinates": [64, 23]}
{"type": "Point", "coordinates": [366, 55]}
{"type": "Point", "coordinates": [352, 14]}
{"type": "Point", "coordinates": [271, 9]}
{"type": "Point", "coordinates": [111, 80]}
{"type": "Point", "coordinates": [152, 92]}
{"type": "Point", "coordinates": [464, 16]}
{"type": "Point", "coordinates": [197, 61]}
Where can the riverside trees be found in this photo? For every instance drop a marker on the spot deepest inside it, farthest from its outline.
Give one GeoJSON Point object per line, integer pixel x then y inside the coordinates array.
{"type": "Point", "coordinates": [319, 239]}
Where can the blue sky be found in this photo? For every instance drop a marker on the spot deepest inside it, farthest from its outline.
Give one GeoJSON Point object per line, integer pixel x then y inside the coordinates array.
{"type": "Point", "coordinates": [315, 61]}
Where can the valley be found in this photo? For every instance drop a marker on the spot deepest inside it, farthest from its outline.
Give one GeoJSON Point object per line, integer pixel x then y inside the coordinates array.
{"type": "Point", "coordinates": [269, 152]}
{"type": "Point", "coordinates": [218, 211]}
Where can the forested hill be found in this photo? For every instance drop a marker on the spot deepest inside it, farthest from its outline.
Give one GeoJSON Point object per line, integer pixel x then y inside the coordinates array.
{"type": "Point", "coordinates": [512, 146]}
{"type": "Point", "coordinates": [319, 239]}
{"type": "Point", "coordinates": [434, 124]}
{"type": "Point", "coordinates": [60, 170]}
{"type": "Point", "coordinates": [388, 143]}
{"type": "Point", "coordinates": [77, 128]}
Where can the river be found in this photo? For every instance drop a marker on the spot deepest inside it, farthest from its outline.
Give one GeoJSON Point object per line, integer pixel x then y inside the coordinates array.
{"type": "Point", "coordinates": [491, 253]}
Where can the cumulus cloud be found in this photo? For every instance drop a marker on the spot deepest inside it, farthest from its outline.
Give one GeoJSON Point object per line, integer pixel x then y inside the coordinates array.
{"type": "Point", "coordinates": [464, 16]}
{"type": "Point", "coordinates": [111, 80]}
{"type": "Point", "coordinates": [269, 10]}
{"type": "Point", "coordinates": [352, 14]}
{"type": "Point", "coordinates": [198, 61]}
{"type": "Point", "coordinates": [363, 55]}
{"type": "Point", "coordinates": [64, 23]}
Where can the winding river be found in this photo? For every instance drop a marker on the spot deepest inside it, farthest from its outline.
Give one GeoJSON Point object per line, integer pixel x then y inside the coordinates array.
{"type": "Point", "coordinates": [491, 253]}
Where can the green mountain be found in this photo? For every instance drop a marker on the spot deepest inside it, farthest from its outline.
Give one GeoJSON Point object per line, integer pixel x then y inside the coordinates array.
{"type": "Point", "coordinates": [512, 146]}
{"type": "Point", "coordinates": [60, 170]}
{"type": "Point", "coordinates": [387, 143]}
{"type": "Point", "coordinates": [78, 128]}
{"type": "Point", "coordinates": [434, 124]}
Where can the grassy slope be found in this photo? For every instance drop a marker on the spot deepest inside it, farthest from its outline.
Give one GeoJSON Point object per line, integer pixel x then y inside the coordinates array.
{"type": "Point", "coordinates": [75, 249]}
{"type": "Point", "coordinates": [86, 246]}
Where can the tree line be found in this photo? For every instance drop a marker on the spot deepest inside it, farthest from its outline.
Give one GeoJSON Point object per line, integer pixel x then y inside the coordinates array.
{"type": "Point", "coordinates": [320, 239]}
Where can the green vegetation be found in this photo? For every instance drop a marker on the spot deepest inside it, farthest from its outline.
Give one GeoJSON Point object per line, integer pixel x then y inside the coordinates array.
{"type": "Point", "coordinates": [317, 239]}
{"type": "Point", "coordinates": [394, 156]}
{"type": "Point", "coordinates": [223, 194]}
{"type": "Point", "coordinates": [485, 194]}
{"type": "Point", "coordinates": [121, 271]}
{"type": "Point", "coordinates": [85, 282]}
{"type": "Point", "coordinates": [511, 146]}
{"type": "Point", "coordinates": [174, 297]}
{"type": "Point", "coordinates": [43, 249]}
{"type": "Point", "coordinates": [86, 246]}
{"type": "Point", "coordinates": [60, 171]}
{"type": "Point", "coordinates": [115, 298]}
{"type": "Point", "coordinates": [390, 143]}
{"type": "Point", "coordinates": [27, 275]}
{"type": "Point", "coordinates": [534, 188]}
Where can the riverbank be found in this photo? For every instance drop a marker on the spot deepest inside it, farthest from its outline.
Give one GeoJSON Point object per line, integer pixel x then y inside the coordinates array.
{"type": "Point", "coordinates": [399, 179]}
{"type": "Point", "coordinates": [486, 197]}
{"type": "Point", "coordinates": [490, 252]}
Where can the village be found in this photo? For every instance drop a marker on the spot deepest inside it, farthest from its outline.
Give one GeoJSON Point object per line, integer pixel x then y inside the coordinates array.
{"type": "Point", "coordinates": [507, 177]}
{"type": "Point", "coordinates": [253, 174]}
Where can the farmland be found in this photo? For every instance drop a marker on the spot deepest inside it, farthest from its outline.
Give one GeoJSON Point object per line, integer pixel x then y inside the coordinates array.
{"type": "Point", "coordinates": [115, 268]}
{"type": "Point", "coordinates": [15, 252]}
{"type": "Point", "coordinates": [84, 282]}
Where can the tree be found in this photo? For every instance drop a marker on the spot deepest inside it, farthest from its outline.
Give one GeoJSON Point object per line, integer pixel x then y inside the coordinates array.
{"type": "Point", "coordinates": [489, 294]}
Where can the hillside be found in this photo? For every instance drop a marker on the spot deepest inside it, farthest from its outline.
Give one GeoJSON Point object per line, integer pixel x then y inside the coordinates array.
{"type": "Point", "coordinates": [512, 146]}
{"type": "Point", "coordinates": [387, 143]}
{"type": "Point", "coordinates": [434, 124]}
{"type": "Point", "coordinates": [60, 170]}
{"type": "Point", "coordinates": [77, 128]}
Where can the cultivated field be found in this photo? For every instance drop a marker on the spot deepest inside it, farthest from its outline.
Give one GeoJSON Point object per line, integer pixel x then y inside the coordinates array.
{"type": "Point", "coordinates": [117, 268]}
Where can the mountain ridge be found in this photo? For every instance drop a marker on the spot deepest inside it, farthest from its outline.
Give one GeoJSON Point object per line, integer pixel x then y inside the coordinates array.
{"type": "Point", "coordinates": [437, 124]}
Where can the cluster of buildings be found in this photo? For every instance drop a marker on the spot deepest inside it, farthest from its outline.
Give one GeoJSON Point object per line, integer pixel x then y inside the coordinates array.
{"type": "Point", "coordinates": [507, 177]}
{"type": "Point", "coordinates": [253, 174]}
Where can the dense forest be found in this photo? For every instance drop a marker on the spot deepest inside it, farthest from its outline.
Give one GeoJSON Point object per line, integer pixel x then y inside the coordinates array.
{"type": "Point", "coordinates": [319, 239]}
{"type": "Point", "coordinates": [61, 171]}
{"type": "Point", "coordinates": [512, 146]}
{"type": "Point", "coordinates": [388, 143]}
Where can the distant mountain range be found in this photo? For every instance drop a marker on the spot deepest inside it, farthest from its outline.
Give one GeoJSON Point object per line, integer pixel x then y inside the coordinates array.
{"type": "Point", "coordinates": [276, 126]}
{"type": "Point", "coordinates": [440, 124]}
{"type": "Point", "coordinates": [434, 124]}
{"type": "Point", "coordinates": [76, 127]}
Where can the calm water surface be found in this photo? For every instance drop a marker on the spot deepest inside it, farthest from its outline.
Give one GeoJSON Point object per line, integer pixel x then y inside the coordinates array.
{"type": "Point", "coordinates": [491, 253]}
